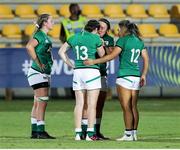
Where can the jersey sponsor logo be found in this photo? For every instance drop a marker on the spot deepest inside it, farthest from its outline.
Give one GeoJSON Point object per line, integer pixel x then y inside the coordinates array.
{"type": "Point", "coordinates": [46, 41]}
{"type": "Point", "coordinates": [106, 43]}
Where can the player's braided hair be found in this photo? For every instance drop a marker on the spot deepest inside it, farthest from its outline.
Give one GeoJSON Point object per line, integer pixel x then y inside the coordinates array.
{"type": "Point", "coordinates": [131, 27]}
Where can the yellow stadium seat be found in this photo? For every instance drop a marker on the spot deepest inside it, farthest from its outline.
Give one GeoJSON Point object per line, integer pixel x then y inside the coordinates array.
{"type": "Point", "coordinates": [116, 30]}
{"type": "Point", "coordinates": [25, 11]}
{"type": "Point", "coordinates": [11, 31]}
{"type": "Point", "coordinates": [175, 11]}
{"type": "Point", "coordinates": [2, 45]}
{"type": "Point", "coordinates": [55, 32]}
{"type": "Point", "coordinates": [114, 11]}
{"type": "Point", "coordinates": [136, 11]}
{"type": "Point", "coordinates": [29, 29]}
{"type": "Point", "coordinates": [17, 46]}
{"type": "Point", "coordinates": [158, 11]}
{"type": "Point", "coordinates": [6, 12]}
{"type": "Point", "coordinates": [47, 9]}
{"type": "Point", "coordinates": [64, 11]}
{"type": "Point", "coordinates": [91, 11]}
{"type": "Point", "coordinates": [148, 30]}
{"type": "Point", "coordinates": [169, 30]}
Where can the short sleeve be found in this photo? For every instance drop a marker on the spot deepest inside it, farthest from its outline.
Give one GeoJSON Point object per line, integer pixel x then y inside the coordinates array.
{"type": "Point", "coordinates": [120, 43]}
{"type": "Point", "coordinates": [98, 41]}
{"type": "Point", "coordinates": [143, 46]}
{"type": "Point", "coordinates": [70, 41]}
{"type": "Point", "coordinates": [38, 37]}
{"type": "Point", "coordinates": [111, 42]}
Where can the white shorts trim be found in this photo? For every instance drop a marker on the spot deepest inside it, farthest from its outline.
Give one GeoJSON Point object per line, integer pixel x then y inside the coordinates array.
{"type": "Point", "coordinates": [129, 82]}
{"type": "Point", "coordinates": [86, 79]}
{"type": "Point", "coordinates": [36, 77]}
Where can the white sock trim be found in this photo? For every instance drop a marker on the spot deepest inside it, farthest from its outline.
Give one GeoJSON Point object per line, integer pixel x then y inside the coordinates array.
{"type": "Point", "coordinates": [33, 120]}
{"type": "Point", "coordinates": [40, 122]}
{"type": "Point", "coordinates": [134, 131]}
{"type": "Point", "coordinates": [84, 121]}
{"type": "Point", "coordinates": [90, 129]}
{"type": "Point", "coordinates": [130, 132]}
{"type": "Point", "coordinates": [78, 130]}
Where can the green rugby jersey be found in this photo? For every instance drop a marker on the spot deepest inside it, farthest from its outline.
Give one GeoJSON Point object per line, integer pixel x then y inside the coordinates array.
{"type": "Point", "coordinates": [84, 45]}
{"type": "Point", "coordinates": [129, 57]}
{"type": "Point", "coordinates": [43, 51]}
{"type": "Point", "coordinates": [108, 42]}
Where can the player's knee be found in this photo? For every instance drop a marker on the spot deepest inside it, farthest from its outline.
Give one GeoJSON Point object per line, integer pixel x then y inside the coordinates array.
{"type": "Point", "coordinates": [43, 98]}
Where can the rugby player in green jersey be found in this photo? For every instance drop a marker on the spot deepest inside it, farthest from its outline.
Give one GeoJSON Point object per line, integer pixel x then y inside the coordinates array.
{"type": "Point", "coordinates": [129, 47]}
{"type": "Point", "coordinates": [86, 80]}
{"type": "Point", "coordinates": [108, 44]}
{"type": "Point", "coordinates": [39, 49]}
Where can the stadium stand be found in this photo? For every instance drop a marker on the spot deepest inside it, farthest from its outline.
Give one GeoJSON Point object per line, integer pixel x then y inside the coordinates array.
{"type": "Point", "coordinates": [158, 11]}
{"type": "Point", "coordinates": [175, 11]}
{"type": "Point", "coordinates": [150, 12]}
{"type": "Point", "coordinates": [64, 11]}
{"type": "Point", "coordinates": [114, 11]}
{"type": "Point", "coordinates": [17, 45]}
{"type": "Point", "coordinates": [11, 31]}
{"type": "Point", "coordinates": [6, 12]}
{"type": "Point", "coordinates": [2, 45]}
{"type": "Point", "coordinates": [169, 30]}
{"type": "Point", "coordinates": [29, 29]}
{"type": "Point", "coordinates": [148, 31]}
{"type": "Point", "coordinates": [47, 9]}
{"type": "Point", "coordinates": [91, 11]}
{"type": "Point", "coordinates": [25, 11]}
{"type": "Point", "coordinates": [116, 30]}
{"type": "Point", "coordinates": [136, 11]}
{"type": "Point", "coordinates": [55, 32]}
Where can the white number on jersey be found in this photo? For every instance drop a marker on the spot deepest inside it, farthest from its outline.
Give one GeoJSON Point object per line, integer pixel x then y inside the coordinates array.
{"type": "Point", "coordinates": [84, 54]}
{"type": "Point", "coordinates": [133, 57]}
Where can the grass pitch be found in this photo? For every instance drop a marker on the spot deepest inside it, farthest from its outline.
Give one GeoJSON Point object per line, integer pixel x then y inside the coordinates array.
{"type": "Point", "coordinates": [158, 127]}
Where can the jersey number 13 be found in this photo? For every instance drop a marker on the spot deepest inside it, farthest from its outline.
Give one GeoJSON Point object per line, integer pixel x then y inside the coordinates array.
{"type": "Point", "coordinates": [81, 52]}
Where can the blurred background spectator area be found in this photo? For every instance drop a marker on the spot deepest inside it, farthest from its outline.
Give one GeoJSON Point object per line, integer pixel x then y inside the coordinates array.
{"type": "Point", "coordinates": [157, 20]}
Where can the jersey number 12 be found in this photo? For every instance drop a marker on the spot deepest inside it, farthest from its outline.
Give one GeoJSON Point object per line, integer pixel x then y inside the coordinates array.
{"type": "Point", "coordinates": [135, 55]}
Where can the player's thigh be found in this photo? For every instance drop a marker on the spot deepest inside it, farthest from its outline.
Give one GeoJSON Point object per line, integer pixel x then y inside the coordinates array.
{"type": "Point", "coordinates": [92, 97]}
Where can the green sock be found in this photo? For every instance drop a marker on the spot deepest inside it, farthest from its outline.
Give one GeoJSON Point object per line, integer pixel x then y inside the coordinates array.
{"type": "Point", "coordinates": [34, 127]}
{"type": "Point", "coordinates": [41, 128]}
{"type": "Point", "coordinates": [90, 133]}
{"type": "Point", "coordinates": [80, 133]}
{"type": "Point", "coordinates": [97, 128]}
{"type": "Point", "coordinates": [84, 128]}
{"type": "Point", "coordinates": [33, 124]}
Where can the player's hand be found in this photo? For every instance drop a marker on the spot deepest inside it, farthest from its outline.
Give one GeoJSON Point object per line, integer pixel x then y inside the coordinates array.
{"type": "Point", "coordinates": [142, 80]}
{"type": "Point", "coordinates": [88, 62]}
{"type": "Point", "coordinates": [103, 43]}
{"type": "Point", "coordinates": [42, 67]}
